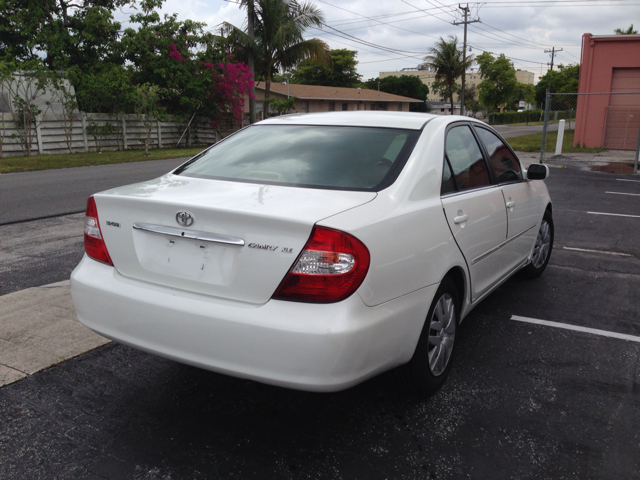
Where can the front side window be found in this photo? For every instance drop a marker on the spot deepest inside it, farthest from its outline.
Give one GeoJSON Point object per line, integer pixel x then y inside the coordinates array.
{"type": "Point", "coordinates": [503, 162]}
{"type": "Point", "coordinates": [334, 157]}
{"type": "Point", "coordinates": [466, 160]}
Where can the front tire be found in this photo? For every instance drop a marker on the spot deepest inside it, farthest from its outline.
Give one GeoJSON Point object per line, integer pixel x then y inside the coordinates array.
{"type": "Point", "coordinates": [429, 367]}
{"type": "Point", "coordinates": [542, 248]}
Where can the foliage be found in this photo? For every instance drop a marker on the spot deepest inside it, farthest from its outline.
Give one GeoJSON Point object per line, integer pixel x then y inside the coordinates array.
{"type": "Point", "coordinates": [471, 102]}
{"type": "Point", "coordinates": [341, 72]}
{"type": "Point", "coordinates": [406, 86]}
{"type": "Point", "coordinates": [444, 90]}
{"type": "Point", "coordinates": [448, 62]}
{"type": "Point", "coordinates": [523, 91]}
{"type": "Point", "coordinates": [628, 31]}
{"type": "Point", "coordinates": [499, 83]}
{"type": "Point", "coordinates": [563, 80]}
{"type": "Point", "coordinates": [26, 91]}
{"type": "Point", "coordinates": [67, 100]}
{"type": "Point", "coordinates": [100, 132]}
{"type": "Point", "coordinates": [148, 110]}
{"type": "Point", "coordinates": [509, 117]}
{"type": "Point", "coordinates": [282, 106]}
{"type": "Point", "coordinates": [108, 89]}
{"type": "Point", "coordinates": [279, 43]}
{"type": "Point", "coordinates": [60, 32]}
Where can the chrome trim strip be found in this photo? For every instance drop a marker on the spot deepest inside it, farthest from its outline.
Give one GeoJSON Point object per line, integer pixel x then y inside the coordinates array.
{"type": "Point", "coordinates": [190, 234]}
{"type": "Point", "coordinates": [498, 247]}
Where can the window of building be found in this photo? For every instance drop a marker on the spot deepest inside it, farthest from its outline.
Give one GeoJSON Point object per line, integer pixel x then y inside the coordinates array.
{"type": "Point", "coordinates": [383, 106]}
{"type": "Point", "coordinates": [399, 107]}
{"type": "Point", "coordinates": [305, 107]}
{"type": "Point", "coordinates": [373, 106]}
{"type": "Point", "coordinates": [345, 107]}
{"type": "Point", "coordinates": [332, 106]}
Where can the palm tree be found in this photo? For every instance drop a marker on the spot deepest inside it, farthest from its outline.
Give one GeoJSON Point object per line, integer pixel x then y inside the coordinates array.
{"type": "Point", "coordinates": [278, 42]}
{"type": "Point", "coordinates": [628, 31]}
{"type": "Point", "coordinates": [448, 62]}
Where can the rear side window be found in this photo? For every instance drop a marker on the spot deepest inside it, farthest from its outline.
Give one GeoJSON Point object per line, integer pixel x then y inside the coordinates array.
{"type": "Point", "coordinates": [503, 162]}
{"type": "Point", "coordinates": [465, 158]}
{"type": "Point", "coordinates": [345, 158]}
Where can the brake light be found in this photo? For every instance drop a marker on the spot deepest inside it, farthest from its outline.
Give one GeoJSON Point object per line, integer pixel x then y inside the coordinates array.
{"type": "Point", "coordinates": [331, 267]}
{"type": "Point", "coordinates": [93, 242]}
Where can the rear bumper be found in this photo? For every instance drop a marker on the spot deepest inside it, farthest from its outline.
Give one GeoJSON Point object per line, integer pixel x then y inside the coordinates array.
{"type": "Point", "coordinates": [296, 345]}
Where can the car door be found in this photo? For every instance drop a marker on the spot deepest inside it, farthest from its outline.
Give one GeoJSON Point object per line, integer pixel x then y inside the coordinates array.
{"type": "Point", "coordinates": [521, 198]}
{"type": "Point", "coordinates": [474, 208]}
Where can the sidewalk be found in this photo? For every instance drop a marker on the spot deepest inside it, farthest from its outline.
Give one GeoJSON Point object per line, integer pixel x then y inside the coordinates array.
{"type": "Point", "coordinates": [38, 329]}
{"type": "Point", "coordinates": [585, 161]}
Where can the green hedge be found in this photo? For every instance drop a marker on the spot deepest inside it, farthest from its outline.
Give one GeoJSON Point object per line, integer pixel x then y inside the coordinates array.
{"type": "Point", "coordinates": [506, 118]}
{"type": "Point", "coordinates": [516, 117]}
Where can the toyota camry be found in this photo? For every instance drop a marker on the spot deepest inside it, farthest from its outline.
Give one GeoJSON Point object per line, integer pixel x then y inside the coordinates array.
{"type": "Point", "coordinates": [315, 251]}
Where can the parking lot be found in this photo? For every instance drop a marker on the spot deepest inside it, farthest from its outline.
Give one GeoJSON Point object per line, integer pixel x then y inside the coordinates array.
{"type": "Point", "coordinates": [545, 384]}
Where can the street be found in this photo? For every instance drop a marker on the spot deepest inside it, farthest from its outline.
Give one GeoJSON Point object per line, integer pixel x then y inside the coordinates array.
{"type": "Point", "coordinates": [526, 399]}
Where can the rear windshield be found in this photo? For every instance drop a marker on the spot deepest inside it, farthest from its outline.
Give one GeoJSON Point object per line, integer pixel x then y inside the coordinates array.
{"type": "Point", "coordinates": [344, 158]}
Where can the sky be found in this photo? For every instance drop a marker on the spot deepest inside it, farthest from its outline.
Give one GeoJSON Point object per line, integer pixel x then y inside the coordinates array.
{"type": "Point", "coordinates": [393, 34]}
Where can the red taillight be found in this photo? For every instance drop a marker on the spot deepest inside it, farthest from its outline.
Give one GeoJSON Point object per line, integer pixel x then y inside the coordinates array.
{"type": "Point", "coordinates": [331, 267]}
{"type": "Point", "coordinates": [93, 243]}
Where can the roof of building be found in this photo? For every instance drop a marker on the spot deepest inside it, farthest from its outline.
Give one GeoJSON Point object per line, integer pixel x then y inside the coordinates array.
{"type": "Point", "coordinates": [318, 92]}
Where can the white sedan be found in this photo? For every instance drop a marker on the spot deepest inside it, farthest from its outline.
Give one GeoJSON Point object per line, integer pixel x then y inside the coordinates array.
{"type": "Point", "coordinates": [316, 251]}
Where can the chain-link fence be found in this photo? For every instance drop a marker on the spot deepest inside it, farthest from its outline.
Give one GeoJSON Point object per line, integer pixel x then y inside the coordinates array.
{"type": "Point", "coordinates": [590, 122]}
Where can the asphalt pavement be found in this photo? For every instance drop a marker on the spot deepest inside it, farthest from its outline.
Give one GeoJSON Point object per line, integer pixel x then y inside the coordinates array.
{"type": "Point", "coordinates": [45, 193]}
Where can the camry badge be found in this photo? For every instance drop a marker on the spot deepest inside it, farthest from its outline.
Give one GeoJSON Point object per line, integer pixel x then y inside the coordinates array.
{"type": "Point", "coordinates": [184, 218]}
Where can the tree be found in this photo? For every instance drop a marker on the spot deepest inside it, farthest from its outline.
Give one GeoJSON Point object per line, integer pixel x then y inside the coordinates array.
{"type": "Point", "coordinates": [628, 31]}
{"type": "Point", "coordinates": [449, 64]}
{"type": "Point", "coordinates": [523, 91]}
{"type": "Point", "coordinates": [148, 110]}
{"type": "Point", "coordinates": [563, 80]}
{"type": "Point", "coordinates": [279, 43]}
{"type": "Point", "coordinates": [406, 86]}
{"type": "Point", "coordinates": [471, 102]}
{"type": "Point", "coordinates": [59, 32]}
{"type": "Point", "coordinates": [499, 81]}
{"type": "Point", "coordinates": [341, 73]}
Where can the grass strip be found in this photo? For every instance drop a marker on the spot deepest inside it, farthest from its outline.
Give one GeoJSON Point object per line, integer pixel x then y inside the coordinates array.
{"type": "Point", "coordinates": [81, 159]}
{"type": "Point", "coordinates": [532, 143]}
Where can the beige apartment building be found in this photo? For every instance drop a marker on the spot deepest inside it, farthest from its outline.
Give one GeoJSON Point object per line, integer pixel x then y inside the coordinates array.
{"type": "Point", "coordinates": [428, 77]}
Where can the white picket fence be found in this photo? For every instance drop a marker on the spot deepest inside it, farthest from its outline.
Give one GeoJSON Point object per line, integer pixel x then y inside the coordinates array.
{"type": "Point", "coordinates": [49, 134]}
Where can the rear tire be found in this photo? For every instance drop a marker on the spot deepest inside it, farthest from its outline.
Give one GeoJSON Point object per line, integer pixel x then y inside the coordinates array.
{"type": "Point", "coordinates": [429, 367]}
{"type": "Point", "coordinates": [542, 248]}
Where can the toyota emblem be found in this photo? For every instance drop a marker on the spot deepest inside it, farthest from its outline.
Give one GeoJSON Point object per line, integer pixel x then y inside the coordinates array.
{"type": "Point", "coordinates": [184, 218]}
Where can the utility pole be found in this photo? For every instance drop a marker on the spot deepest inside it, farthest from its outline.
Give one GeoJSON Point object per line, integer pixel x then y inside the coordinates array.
{"type": "Point", "coordinates": [464, 51]}
{"type": "Point", "coordinates": [553, 52]}
{"type": "Point", "coordinates": [251, 60]}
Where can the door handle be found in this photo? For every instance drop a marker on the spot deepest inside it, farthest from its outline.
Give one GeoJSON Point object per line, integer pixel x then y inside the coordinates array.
{"type": "Point", "coordinates": [460, 218]}
{"type": "Point", "coordinates": [510, 204]}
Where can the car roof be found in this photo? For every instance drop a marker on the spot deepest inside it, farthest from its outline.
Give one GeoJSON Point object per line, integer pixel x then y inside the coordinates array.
{"type": "Point", "coordinates": [384, 119]}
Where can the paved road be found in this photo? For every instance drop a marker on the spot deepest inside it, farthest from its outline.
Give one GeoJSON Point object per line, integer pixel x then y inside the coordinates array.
{"type": "Point", "coordinates": [31, 195]}
{"type": "Point", "coordinates": [508, 131]}
{"type": "Point", "coordinates": [523, 400]}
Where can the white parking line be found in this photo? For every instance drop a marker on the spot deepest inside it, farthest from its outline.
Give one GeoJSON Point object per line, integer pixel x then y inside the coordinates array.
{"type": "Point", "coordinates": [597, 251]}
{"type": "Point", "coordinates": [620, 193]}
{"type": "Point", "coordinates": [614, 214]}
{"type": "Point", "coordinates": [627, 180]}
{"type": "Point", "coordinates": [565, 326]}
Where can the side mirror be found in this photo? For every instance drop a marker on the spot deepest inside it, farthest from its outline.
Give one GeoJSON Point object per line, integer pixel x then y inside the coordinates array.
{"type": "Point", "coordinates": [537, 171]}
